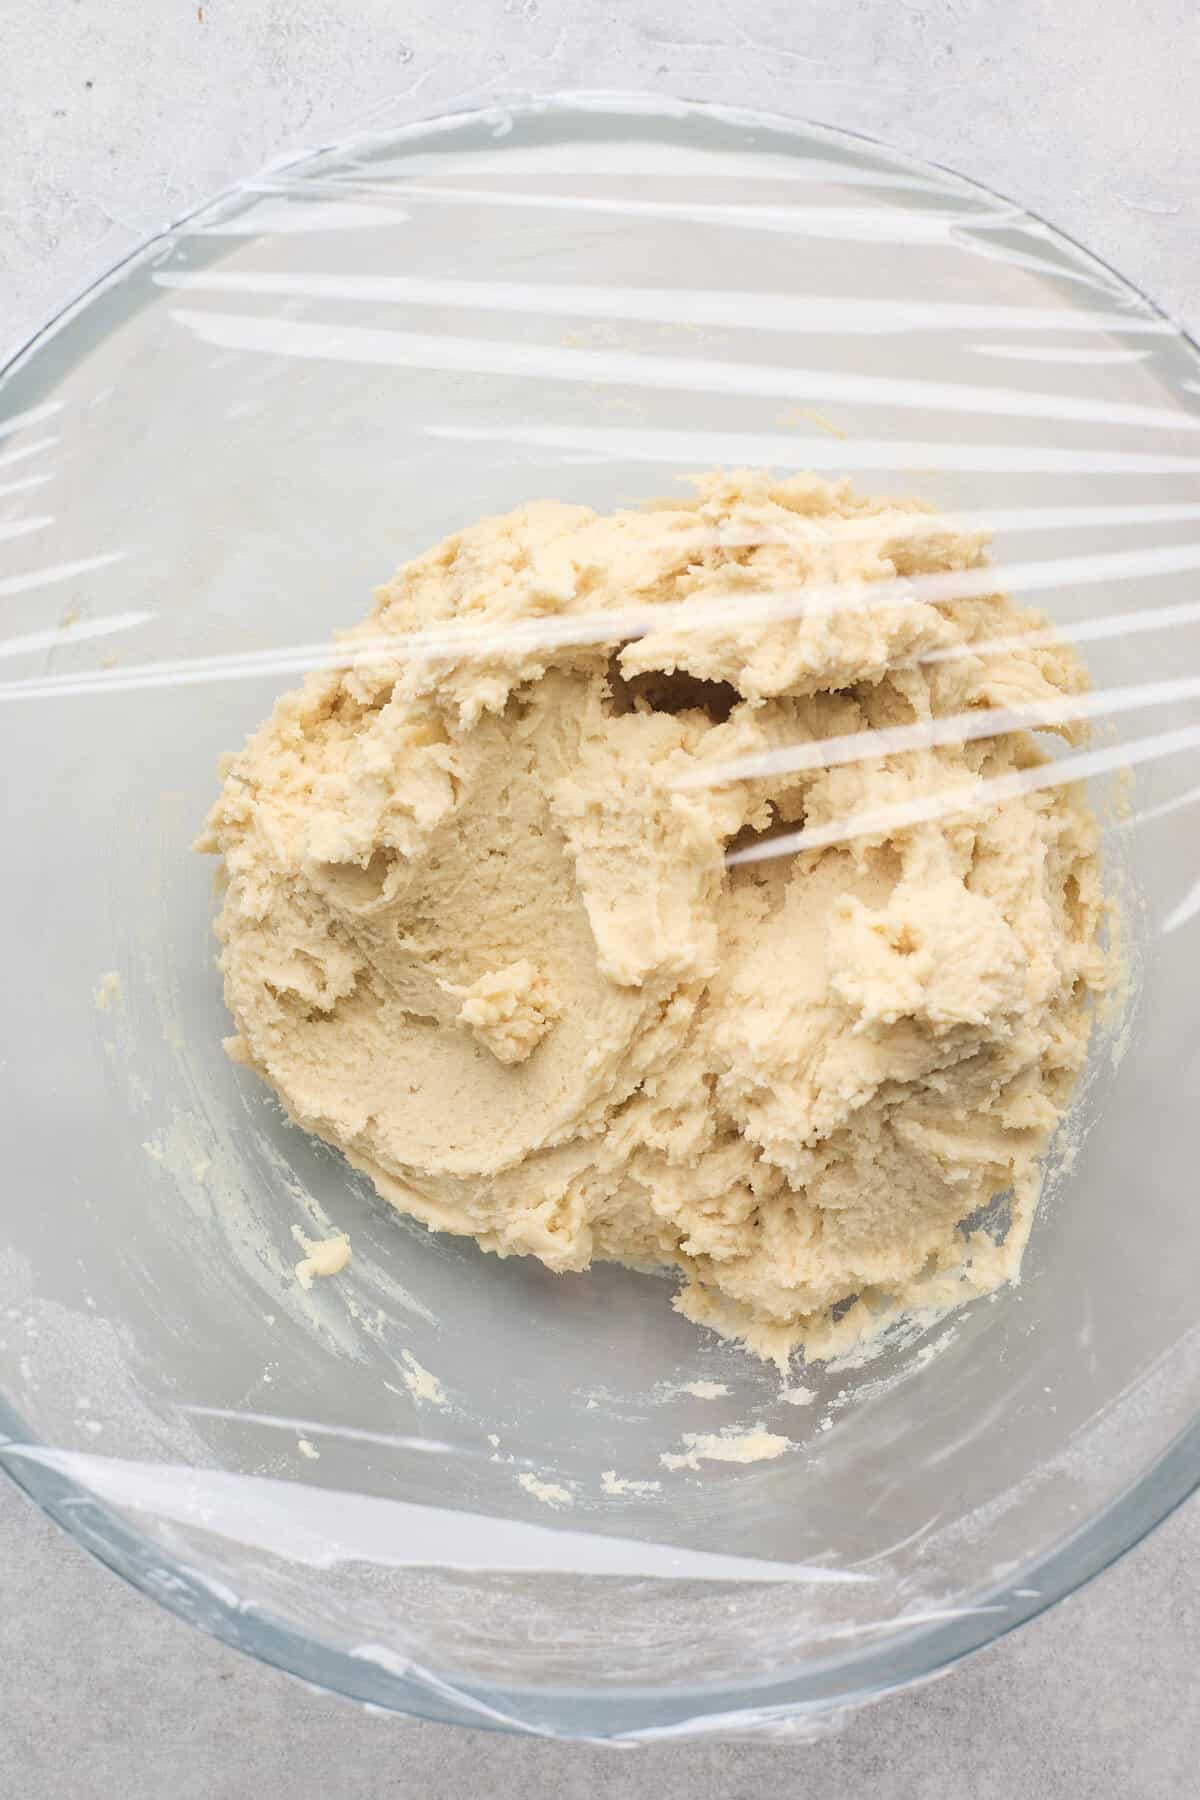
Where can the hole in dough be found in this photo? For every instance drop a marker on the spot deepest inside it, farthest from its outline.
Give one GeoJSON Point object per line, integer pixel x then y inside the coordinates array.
{"type": "Point", "coordinates": [353, 886]}
{"type": "Point", "coordinates": [654, 690]}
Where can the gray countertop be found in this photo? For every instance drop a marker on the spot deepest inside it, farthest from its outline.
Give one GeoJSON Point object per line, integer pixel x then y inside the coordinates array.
{"type": "Point", "coordinates": [117, 116]}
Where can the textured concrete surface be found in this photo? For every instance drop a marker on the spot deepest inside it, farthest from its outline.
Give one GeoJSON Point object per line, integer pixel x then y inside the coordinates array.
{"type": "Point", "coordinates": [116, 116]}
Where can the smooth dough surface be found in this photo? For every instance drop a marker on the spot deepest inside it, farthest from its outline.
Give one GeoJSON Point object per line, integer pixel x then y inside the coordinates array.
{"type": "Point", "coordinates": [480, 927]}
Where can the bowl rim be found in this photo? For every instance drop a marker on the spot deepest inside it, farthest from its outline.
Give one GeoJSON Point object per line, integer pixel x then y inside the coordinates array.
{"type": "Point", "coordinates": [616, 1714]}
{"type": "Point", "coordinates": [795, 1698]}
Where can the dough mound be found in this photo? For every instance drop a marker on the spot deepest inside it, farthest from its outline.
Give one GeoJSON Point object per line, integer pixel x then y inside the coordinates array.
{"type": "Point", "coordinates": [482, 928]}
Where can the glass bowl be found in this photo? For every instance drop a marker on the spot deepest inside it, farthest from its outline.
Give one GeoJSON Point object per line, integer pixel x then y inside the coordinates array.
{"type": "Point", "coordinates": [204, 465]}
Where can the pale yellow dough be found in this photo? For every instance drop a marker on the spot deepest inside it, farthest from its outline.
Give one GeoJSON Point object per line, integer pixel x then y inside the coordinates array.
{"type": "Point", "coordinates": [479, 927]}
{"type": "Point", "coordinates": [322, 1256]}
{"type": "Point", "coordinates": [755, 1445]}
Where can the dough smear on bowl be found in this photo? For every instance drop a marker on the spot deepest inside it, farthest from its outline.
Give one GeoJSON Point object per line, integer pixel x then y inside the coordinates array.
{"type": "Point", "coordinates": [503, 923]}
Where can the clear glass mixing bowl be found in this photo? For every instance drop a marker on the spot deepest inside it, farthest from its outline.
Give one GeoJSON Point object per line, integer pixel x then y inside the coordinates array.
{"type": "Point", "coordinates": [204, 465]}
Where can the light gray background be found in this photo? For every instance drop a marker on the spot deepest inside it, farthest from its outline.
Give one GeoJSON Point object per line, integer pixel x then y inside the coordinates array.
{"type": "Point", "coordinates": [115, 116]}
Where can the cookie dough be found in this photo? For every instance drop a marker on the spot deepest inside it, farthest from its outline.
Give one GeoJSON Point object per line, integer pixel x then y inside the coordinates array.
{"type": "Point", "coordinates": [756, 1445]}
{"type": "Point", "coordinates": [503, 917]}
{"type": "Point", "coordinates": [322, 1256]}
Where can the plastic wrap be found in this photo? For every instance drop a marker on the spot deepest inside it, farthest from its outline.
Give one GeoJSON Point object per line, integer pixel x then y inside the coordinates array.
{"type": "Point", "coordinates": [396, 1483]}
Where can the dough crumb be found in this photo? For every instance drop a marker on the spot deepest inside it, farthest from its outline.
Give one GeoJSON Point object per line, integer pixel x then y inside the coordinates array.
{"type": "Point", "coordinates": [509, 1011]}
{"type": "Point", "coordinates": [421, 1384]}
{"type": "Point", "coordinates": [308, 1450]}
{"type": "Point", "coordinates": [493, 1440]}
{"type": "Point", "coordinates": [322, 1256]}
{"type": "Point", "coordinates": [756, 1445]}
{"type": "Point", "coordinates": [798, 1396]}
{"type": "Point", "coordinates": [108, 991]}
{"type": "Point", "coordinates": [612, 1483]}
{"type": "Point", "coordinates": [548, 1492]}
{"type": "Point", "coordinates": [800, 415]}
{"type": "Point", "coordinates": [704, 1390]}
